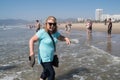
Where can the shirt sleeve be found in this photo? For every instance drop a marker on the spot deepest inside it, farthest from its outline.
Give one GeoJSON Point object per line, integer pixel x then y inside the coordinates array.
{"type": "Point", "coordinates": [57, 34]}
{"type": "Point", "coordinates": [40, 33]}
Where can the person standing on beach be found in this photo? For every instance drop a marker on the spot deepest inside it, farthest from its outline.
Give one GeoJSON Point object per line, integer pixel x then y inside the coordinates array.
{"type": "Point", "coordinates": [66, 27]}
{"type": "Point", "coordinates": [46, 47]}
{"type": "Point", "coordinates": [105, 21]}
{"type": "Point", "coordinates": [89, 27]}
{"type": "Point", "coordinates": [37, 25]}
{"type": "Point", "coordinates": [109, 27]}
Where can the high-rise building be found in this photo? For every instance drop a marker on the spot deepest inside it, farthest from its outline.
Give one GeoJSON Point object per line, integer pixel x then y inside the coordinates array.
{"type": "Point", "coordinates": [98, 14]}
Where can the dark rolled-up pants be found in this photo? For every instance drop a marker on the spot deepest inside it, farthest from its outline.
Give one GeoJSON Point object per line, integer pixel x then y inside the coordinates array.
{"type": "Point", "coordinates": [48, 71]}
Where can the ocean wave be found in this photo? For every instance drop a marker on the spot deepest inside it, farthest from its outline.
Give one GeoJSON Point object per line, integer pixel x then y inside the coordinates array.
{"type": "Point", "coordinates": [114, 58]}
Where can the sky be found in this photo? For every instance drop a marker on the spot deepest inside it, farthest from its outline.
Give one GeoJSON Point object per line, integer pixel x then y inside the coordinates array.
{"type": "Point", "coordinates": [40, 9]}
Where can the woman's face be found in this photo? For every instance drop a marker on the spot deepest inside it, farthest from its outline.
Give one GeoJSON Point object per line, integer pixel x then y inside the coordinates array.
{"type": "Point", "coordinates": [51, 24]}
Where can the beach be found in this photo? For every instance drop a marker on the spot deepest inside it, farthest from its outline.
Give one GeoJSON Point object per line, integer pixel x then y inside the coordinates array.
{"type": "Point", "coordinates": [96, 27]}
{"type": "Point", "coordinates": [94, 57]}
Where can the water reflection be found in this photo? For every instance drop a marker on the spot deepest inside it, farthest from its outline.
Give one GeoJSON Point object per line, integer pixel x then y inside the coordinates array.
{"type": "Point", "coordinates": [109, 45]}
{"type": "Point", "coordinates": [89, 39]}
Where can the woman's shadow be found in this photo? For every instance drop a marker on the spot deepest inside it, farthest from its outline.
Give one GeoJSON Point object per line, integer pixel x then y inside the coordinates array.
{"type": "Point", "coordinates": [69, 75]}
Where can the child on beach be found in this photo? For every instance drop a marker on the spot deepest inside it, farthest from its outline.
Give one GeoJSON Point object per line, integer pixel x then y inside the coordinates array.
{"type": "Point", "coordinates": [68, 27]}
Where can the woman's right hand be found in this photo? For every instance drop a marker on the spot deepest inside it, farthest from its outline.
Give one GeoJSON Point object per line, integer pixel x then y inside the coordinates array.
{"type": "Point", "coordinates": [32, 60]}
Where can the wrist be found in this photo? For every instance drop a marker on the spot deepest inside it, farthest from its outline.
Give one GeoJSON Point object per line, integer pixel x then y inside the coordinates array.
{"type": "Point", "coordinates": [66, 38]}
{"type": "Point", "coordinates": [31, 54]}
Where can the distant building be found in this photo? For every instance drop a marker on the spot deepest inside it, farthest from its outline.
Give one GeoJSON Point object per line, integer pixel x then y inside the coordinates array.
{"type": "Point", "coordinates": [80, 19]}
{"type": "Point", "coordinates": [98, 14]}
{"type": "Point", "coordinates": [113, 17]}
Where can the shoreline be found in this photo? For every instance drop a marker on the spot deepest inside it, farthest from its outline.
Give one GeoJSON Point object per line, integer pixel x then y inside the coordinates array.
{"type": "Point", "coordinates": [99, 27]}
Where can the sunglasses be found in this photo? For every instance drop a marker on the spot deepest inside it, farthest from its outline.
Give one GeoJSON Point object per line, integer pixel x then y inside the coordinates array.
{"type": "Point", "coordinates": [54, 24]}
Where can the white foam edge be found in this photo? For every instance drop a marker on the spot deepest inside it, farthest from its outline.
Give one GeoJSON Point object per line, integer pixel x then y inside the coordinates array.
{"type": "Point", "coordinates": [114, 58]}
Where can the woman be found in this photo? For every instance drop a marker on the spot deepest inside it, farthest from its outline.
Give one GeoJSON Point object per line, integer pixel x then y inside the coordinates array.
{"type": "Point", "coordinates": [89, 28]}
{"type": "Point", "coordinates": [46, 47]}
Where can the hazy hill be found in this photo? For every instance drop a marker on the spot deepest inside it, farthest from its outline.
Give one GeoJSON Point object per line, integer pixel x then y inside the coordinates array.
{"type": "Point", "coordinates": [13, 22]}
{"type": "Point", "coordinates": [24, 22]}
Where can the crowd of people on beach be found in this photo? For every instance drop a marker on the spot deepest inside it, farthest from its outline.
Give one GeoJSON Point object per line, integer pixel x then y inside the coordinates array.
{"type": "Point", "coordinates": [68, 26]}
{"type": "Point", "coordinates": [48, 38]}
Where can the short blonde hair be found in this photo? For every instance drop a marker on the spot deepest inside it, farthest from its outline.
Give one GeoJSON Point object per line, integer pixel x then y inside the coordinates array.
{"type": "Point", "coordinates": [51, 18]}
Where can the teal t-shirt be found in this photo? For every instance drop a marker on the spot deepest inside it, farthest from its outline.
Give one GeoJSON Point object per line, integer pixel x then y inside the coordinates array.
{"type": "Point", "coordinates": [46, 47]}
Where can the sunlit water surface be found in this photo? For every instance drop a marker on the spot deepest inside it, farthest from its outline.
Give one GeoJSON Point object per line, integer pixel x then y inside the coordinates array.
{"type": "Point", "coordinates": [93, 57]}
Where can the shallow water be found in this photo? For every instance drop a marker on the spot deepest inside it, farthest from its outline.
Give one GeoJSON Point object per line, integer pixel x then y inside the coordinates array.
{"type": "Point", "coordinates": [93, 57]}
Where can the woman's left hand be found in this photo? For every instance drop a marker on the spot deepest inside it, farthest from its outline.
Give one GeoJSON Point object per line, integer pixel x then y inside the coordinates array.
{"type": "Point", "coordinates": [67, 41]}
